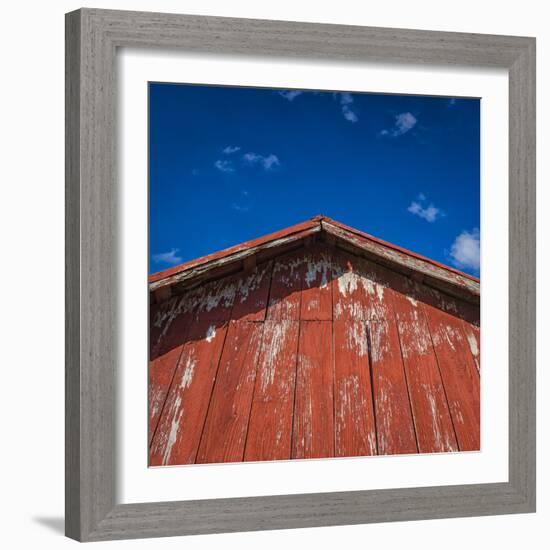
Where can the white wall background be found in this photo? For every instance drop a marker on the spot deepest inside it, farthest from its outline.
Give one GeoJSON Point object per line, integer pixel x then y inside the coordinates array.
{"type": "Point", "coordinates": [31, 218]}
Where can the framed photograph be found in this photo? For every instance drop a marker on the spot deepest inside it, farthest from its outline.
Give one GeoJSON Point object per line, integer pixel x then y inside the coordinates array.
{"type": "Point", "coordinates": [300, 275]}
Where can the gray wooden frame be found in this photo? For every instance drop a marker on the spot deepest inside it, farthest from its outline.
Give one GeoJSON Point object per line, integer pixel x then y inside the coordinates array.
{"type": "Point", "coordinates": [92, 38]}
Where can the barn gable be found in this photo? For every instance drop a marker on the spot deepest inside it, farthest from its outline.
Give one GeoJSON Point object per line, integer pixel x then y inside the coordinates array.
{"type": "Point", "coordinates": [317, 341]}
{"type": "Point", "coordinates": [318, 229]}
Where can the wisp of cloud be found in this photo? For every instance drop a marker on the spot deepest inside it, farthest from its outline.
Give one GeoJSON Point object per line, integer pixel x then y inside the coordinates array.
{"type": "Point", "coordinates": [171, 257]}
{"type": "Point", "coordinates": [465, 250]}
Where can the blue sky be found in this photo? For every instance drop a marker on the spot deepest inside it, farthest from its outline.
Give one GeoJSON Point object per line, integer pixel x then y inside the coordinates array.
{"type": "Point", "coordinates": [230, 164]}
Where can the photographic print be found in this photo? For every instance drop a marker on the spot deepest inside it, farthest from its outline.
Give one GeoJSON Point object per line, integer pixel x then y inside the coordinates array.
{"type": "Point", "coordinates": [314, 262]}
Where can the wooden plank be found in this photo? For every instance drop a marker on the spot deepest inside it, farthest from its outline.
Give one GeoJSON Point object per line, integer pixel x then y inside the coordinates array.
{"type": "Point", "coordinates": [224, 435]}
{"type": "Point", "coordinates": [432, 419]}
{"type": "Point", "coordinates": [376, 296]}
{"type": "Point", "coordinates": [286, 286]}
{"type": "Point", "coordinates": [160, 318]}
{"type": "Point", "coordinates": [354, 424]}
{"type": "Point", "coordinates": [358, 289]}
{"type": "Point", "coordinates": [177, 438]}
{"type": "Point", "coordinates": [313, 430]}
{"type": "Point", "coordinates": [316, 302]}
{"type": "Point", "coordinates": [161, 372]}
{"type": "Point", "coordinates": [270, 427]}
{"type": "Point", "coordinates": [214, 301]}
{"type": "Point", "coordinates": [473, 337]}
{"type": "Point", "coordinates": [347, 289]}
{"type": "Point", "coordinates": [173, 322]}
{"type": "Point", "coordinates": [449, 304]}
{"type": "Point", "coordinates": [252, 294]}
{"type": "Point", "coordinates": [459, 374]}
{"type": "Point", "coordinates": [394, 422]}
{"type": "Point", "coordinates": [234, 254]}
{"type": "Point", "coordinates": [404, 260]}
{"type": "Point", "coordinates": [155, 327]}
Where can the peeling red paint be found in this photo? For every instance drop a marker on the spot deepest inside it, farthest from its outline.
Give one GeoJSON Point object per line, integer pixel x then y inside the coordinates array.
{"type": "Point", "coordinates": [317, 352]}
{"type": "Point", "coordinates": [319, 225]}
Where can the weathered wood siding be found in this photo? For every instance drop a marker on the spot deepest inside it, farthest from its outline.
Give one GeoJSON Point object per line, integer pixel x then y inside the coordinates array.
{"type": "Point", "coordinates": [316, 353]}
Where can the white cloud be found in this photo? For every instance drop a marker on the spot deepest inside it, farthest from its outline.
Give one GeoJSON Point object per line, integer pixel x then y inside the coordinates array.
{"type": "Point", "coordinates": [267, 162]}
{"type": "Point", "coordinates": [346, 102]}
{"type": "Point", "coordinates": [171, 257]}
{"type": "Point", "coordinates": [403, 123]}
{"type": "Point", "coordinates": [465, 250]}
{"type": "Point", "coordinates": [290, 95]}
{"type": "Point", "coordinates": [430, 213]}
{"type": "Point", "coordinates": [240, 207]}
{"type": "Point", "coordinates": [229, 150]}
{"type": "Point", "coordinates": [345, 99]}
{"type": "Point", "coordinates": [224, 166]}
{"type": "Point", "coordinates": [252, 158]}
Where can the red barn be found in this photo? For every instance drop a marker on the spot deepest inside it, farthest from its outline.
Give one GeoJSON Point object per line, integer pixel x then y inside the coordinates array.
{"type": "Point", "coordinates": [315, 341]}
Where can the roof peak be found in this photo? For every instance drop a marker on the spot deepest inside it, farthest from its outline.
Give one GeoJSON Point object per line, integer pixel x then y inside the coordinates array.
{"type": "Point", "coordinates": [322, 228]}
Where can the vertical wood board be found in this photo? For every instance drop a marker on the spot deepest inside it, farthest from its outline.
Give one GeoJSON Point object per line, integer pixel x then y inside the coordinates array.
{"type": "Point", "coordinates": [354, 424]}
{"type": "Point", "coordinates": [252, 294]}
{"type": "Point", "coordinates": [432, 419]}
{"type": "Point", "coordinates": [286, 287]}
{"type": "Point", "coordinates": [180, 426]}
{"type": "Point", "coordinates": [270, 426]}
{"type": "Point", "coordinates": [313, 431]}
{"type": "Point", "coordinates": [394, 422]}
{"type": "Point", "coordinates": [459, 374]}
{"type": "Point", "coordinates": [316, 301]}
{"type": "Point", "coordinates": [224, 434]}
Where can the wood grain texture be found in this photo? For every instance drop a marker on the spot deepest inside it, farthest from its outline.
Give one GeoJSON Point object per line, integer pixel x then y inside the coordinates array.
{"type": "Point", "coordinates": [155, 326]}
{"type": "Point", "coordinates": [316, 296]}
{"type": "Point", "coordinates": [394, 422]}
{"type": "Point", "coordinates": [224, 433]}
{"type": "Point", "coordinates": [170, 326]}
{"type": "Point", "coordinates": [334, 399]}
{"type": "Point", "coordinates": [348, 287]}
{"type": "Point", "coordinates": [447, 279]}
{"type": "Point", "coordinates": [354, 424]}
{"type": "Point", "coordinates": [161, 374]}
{"type": "Point", "coordinates": [286, 287]}
{"type": "Point", "coordinates": [270, 425]}
{"type": "Point", "coordinates": [177, 438]}
{"type": "Point", "coordinates": [313, 431]}
{"type": "Point", "coordinates": [176, 279]}
{"type": "Point", "coordinates": [522, 273]}
{"type": "Point", "coordinates": [252, 294]}
{"type": "Point", "coordinates": [80, 495]}
{"type": "Point", "coordinates": [232, 259]}
{"type": "Point", "coordinates": [474, 342]}
{"type": "Point", "coordinates": [92, 38]}
{"type": "Point", "coordinates": [432, 420]}
{"type": "Point", "coordinates": [460, 377]}
{"type": "Point", "coordinates": [214, 301]}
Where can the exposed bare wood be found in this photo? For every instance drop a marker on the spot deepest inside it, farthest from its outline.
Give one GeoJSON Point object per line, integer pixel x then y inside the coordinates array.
{"type": "Point", "coordinates": [247, 255]}
{"type": "Point", "coordinates": [231, 256]}
{"type": "Point", "coordinates": [454, 282]}
{"type": "Point", "coordinates": [270, 426]}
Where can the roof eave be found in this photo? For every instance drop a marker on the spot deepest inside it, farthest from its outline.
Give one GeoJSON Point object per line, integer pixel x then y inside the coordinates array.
{"type": "Point", "coordinates": [244, 256]}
